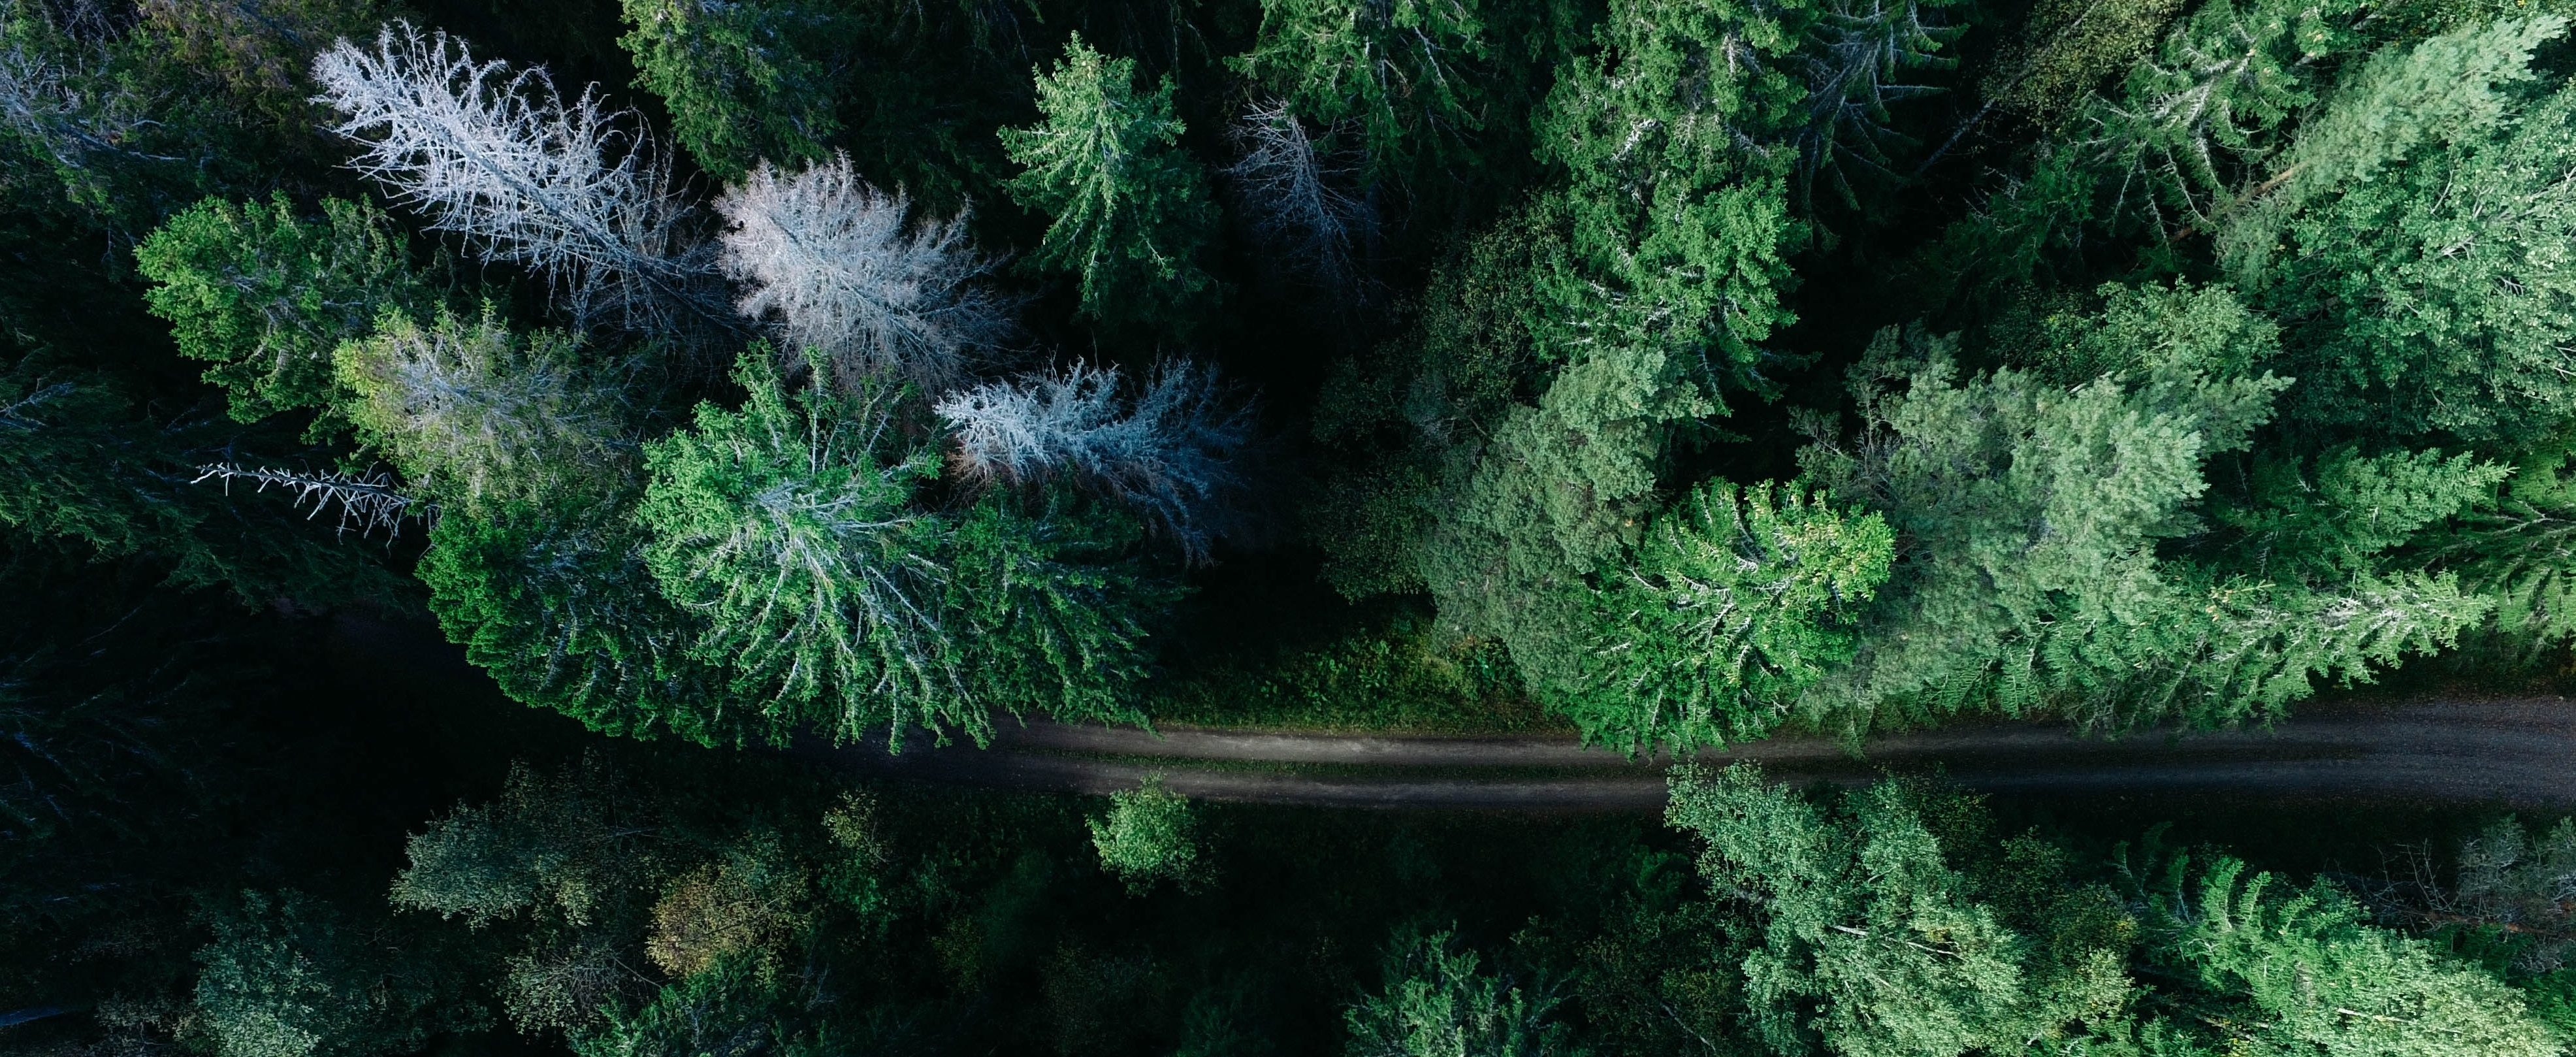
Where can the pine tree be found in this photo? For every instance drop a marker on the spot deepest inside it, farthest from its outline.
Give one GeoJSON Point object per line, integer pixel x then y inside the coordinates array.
{"type": "Point", "coordinates": [2032, 513]}
{"type": "Point", "coordinates": [1871, 943]}
{"type": "Point", "coordinates": [267, 295]}
{"type": "Point", "coordinates": [1129, 211]}
{"type": "Point", "coordinates": [476, 416]}
{"type": "Point", "coordinates": [1734, 602]}
{"type": "Point", "coordinates": [2313, 977]}
{"type": "Point", "coordinates": [1404, 72]}
{"type": "Point", "coordinates": [2411, 232]}
{"type": "Point", "coordinates": [743, 81]}
{"type": "Point", "coordinates": [557, 603]}
{"type": "Point", "coordinates": [1434, 1000]}
{"type": "Point", "coordinates": [787, 529]}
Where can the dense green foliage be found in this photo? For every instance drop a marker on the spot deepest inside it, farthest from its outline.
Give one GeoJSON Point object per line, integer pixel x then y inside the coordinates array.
{"type": "Point", "coordinates": [268, 295]}
{"type": "Point", "coordinates": [1130, 211]}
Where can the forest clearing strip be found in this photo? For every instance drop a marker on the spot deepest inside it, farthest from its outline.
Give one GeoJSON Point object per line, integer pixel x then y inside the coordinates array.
{"type": "Point", "coordinates": [2518, 752]}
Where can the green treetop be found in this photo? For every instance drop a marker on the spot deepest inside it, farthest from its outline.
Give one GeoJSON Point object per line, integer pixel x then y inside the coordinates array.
{"type": "Point", "coordinates": [1130, 211]}
{"type": "Point", "coordinates": [742, 81]}
{"type": "Point", "coordinates": [1149, 835]}
{"type": "Point", "coordinates": [788, 525]}
{"type": "Point", "coordinates": [1402, 71]}
{"type": "Point", "coordinates": [1735, 601]}
{"type": "Point", "coordinates": [267, 295]}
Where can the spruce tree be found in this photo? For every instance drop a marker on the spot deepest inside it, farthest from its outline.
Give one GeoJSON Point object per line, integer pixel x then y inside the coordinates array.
{"type": "Point", "coordinates": [1129, 211]}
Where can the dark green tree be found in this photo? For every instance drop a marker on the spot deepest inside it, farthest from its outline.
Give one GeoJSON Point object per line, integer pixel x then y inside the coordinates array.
{"type": "Point", "coordinates": [1405, 72]}
{"type": "Point", "coordinates": [1434, 1002]}
{"type": "Point", "coordinates": [1734, 603]}
{"type": "Point", "coordinates": [1129, 212]}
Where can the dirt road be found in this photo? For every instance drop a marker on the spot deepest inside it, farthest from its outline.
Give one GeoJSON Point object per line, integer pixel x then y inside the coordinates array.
{"type": "Point", "coordinates": [2516, 752]}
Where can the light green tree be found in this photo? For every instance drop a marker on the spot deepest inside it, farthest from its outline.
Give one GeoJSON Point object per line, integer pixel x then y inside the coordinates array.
{"type": "Point", "coordinates": [787, 528]}
{"type": "Point", "coordinates": [1129, 211]}
{"type": "Point", "coordinates": [2033, 509]}
{"type": "Point", "coordinates": [1735, 601]}
{"type": "Point", "coordinates": [267, 295]}
{"type": "Point", "coordinates": [2311, 976]}
{"type": "Point", "coordinates": [1149, 835]}
{"type": "Point", "coordinates": [1679, 204]}
{"type": "Point", "coordinates": [1435, 1003]}
{"type": "Point", "coordinates": [289, 975]}
{"type": "Point", "coordinates": [2411, 229]}
{"type": "Point", "coordinates": [1870, 943]}
{"type": "Point", "coordinates": [476, 416]}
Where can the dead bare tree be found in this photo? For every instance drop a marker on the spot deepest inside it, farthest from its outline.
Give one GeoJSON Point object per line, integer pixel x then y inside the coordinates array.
{"type": "Point", "coordinates": [851, 282]}
{"type": "Point", "coordinates": [1283, 186]}
{"type": "Point", "coordinates": [367, 501]}
{"type": "Point", "coordinates": [1171, 453]}
{"type": "Point", "coordinates": [567, 187]}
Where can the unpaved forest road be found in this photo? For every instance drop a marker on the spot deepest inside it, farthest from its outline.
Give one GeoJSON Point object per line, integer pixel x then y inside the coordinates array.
{"type": "Point", "coordinates": [2516, 752]}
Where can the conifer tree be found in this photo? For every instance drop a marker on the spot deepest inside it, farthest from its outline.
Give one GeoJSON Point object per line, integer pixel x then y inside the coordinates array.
{"type": "Point", "coordinates": [1735, 601]}
{"type": "Point", "coordinates": [2410, 234]}
{"type": "Point", "coordinates": [743, 81]}
{"type": "Point", "coordinates": [267, 295]}
{"type": "Point", "coordinates": [1129, 212]}
{"type": "Point", "coordinates": [1434, 999]}
{"type": "Point", "coordinates": [788, 528]}
{"type": "Point", "coordinates": [476, 416]}
{"type": "Point", "coordinates": [2312, 976]}
{"type": "Point", "coordinates": [1403, 72]}
{"type": "Point", "coordinates": [1871, 944]}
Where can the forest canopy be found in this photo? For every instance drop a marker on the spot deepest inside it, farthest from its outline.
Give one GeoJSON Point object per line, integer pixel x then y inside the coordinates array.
{"type": "Point", "coordinates": [733, 384]}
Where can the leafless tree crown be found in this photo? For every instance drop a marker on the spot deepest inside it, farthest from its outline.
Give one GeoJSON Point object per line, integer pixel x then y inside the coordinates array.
{"type": "Point", "coordinates": [367, 501]}
{"type": "Point", "coordinates": [1285, 189]}
{"type": "Point", "coordinates": [1169, 454]}
{"type": "Point", "coordinates": [563, 186]}
{"type": "Point", "coordinates": [834, 260]}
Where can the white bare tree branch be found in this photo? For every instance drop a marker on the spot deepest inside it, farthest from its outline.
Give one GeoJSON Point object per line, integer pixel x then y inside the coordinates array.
{"type": "Point", "coordinates": [833, 258]}
{"type": "Point", "coordinates": [1284, 189]}
{"type": "Point", "coordinates": [1170, 454]}
{"type": "Point", "coordinates": [566, 187]}
{"type": "Point", "coordinates": [367, 501]}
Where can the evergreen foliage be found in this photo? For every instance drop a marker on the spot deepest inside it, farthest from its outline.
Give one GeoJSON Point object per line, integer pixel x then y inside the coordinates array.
{"type": "Point", "coordinates": [742, 81]}
{"type": "Point", "coordinates": [287, 975]}
{"type": "Point", "coordinates": [2410, 231]}
{"type": "Point", "coordinates": [266, 295]}
{"type": "Point", "coordinates": [1404, 73]}
{"type": "Point", "coordinates": [1732, 605]}
{"type": "Point", "coordinates": [788, 527]}
{"type": "Point", "coordinates": [2316, 977]}
{"type": "Point", "coordinates": [476, 416]}
{"type": "Point", "coordinates": [1434, 1001]}
{"type": "Point", "coordinates": [1130, 215]}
